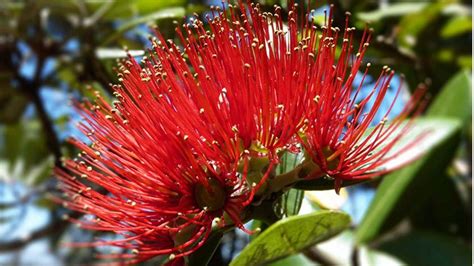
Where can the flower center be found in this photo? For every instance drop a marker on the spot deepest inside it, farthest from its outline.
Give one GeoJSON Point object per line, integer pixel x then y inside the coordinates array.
{"type": "Point", "coordinates": [212, 197]}
{"type": "Point", "coordinates": [332, 159]}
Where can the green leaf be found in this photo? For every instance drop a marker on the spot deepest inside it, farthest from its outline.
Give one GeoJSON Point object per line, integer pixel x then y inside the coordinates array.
{"type": "Point", "coordinates": [112, 10]}
{"type": "Point", "coordinates": [464, 61]}
{"type": "Point", "coordinates": [401, 191]}
{"type": "Point", "coordinates": [454, 100]}
{"type": "Point", "coordinates": [288, 161]}
{"type": "Point", "coordinates": [24, 155]}
{"type": "Point", "coordinates": [392, 10]}
{"type": "Point", "coordinates": [13, 108]}
{"type": "Point", "coordinates": [203, 255]}
{"type": "Point", "coordinates": [292, 235]}
{"type": "Point", "coordinates": [172, 12]}
{"type": "Point", "coordinates": [292, 201]}
{"type": "Point", "coordinates": [437, 213]}
{"type": "Point", "coordinates": [147, 6]}
{"type": "Point", "coordinates": [413, 24]}
{"type": "Point", "coordinates": [299, 260]}
{"type": "Point", "coordinates": [427, 248]}
{"type": "Point", "coordinates": [456, 26]}
{"type": "Point", "coordinates": [12, 102]}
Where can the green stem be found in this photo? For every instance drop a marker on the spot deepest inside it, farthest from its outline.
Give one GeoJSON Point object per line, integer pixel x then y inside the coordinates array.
{"type": "Point", "coordinates": [306, 170]}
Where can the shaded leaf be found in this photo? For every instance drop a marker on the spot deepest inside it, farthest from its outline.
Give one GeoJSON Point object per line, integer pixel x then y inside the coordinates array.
{"type": "Point", "coordinates": [292, 235]}
{"type": "Point", "coordinates": [172, 12]}
{"type": "Point", "coordinates": [454, 100]}
{"type": "Point", "coordinates": [456, 26]}
{"type": "Point", "coordinates": [23, 153]}
{"type": "Point", "coordinates": [413, 24]}
{"type": "Point", "coordinates": [426, 248]}
{"type": "Point", "coordinates": [464, 61]}
{"type": "Point", "coordinates": [438, 214]}
{"type": "Point", "coordinates": [401, 191]}
{"type": "Point", "coordinates": [12, 103]}
{"type": "Point", "coordinates": [13, 108]}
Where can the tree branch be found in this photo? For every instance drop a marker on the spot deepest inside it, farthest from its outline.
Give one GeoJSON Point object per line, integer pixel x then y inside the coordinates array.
{"type": "Point", "coordinates": [320, 257]}
{"type": "Point", "coordinates": [27, 197]}
{"type": "Point", "coordinates": [56, 227]}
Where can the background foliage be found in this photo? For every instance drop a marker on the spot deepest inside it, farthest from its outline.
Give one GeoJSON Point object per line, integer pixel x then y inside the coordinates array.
{"type": "Point", "coordinates": [51, 51]}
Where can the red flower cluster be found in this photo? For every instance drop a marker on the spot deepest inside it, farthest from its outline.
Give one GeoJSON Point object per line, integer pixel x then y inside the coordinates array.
{"type": "Point", "coordinates": [171, 155]}
{"type": "Point", "coordinates": [339, 136]}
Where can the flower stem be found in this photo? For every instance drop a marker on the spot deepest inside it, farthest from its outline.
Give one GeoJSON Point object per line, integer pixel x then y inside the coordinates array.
{"type": "Point", "coordinates": [306, 170]}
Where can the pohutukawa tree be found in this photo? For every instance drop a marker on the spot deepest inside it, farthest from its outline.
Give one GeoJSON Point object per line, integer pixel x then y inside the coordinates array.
{"type": "Point", "coordinates": [197, 129]}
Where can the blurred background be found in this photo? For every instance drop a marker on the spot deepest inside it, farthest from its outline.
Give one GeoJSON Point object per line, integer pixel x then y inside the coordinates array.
{"type": "Point", "coordinates": [52, 51]}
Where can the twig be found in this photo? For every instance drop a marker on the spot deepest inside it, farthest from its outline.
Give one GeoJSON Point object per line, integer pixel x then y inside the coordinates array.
{"type": "Point", "coordinates": [320, 257]}
{"type": "Point", "coordinates": [31, 88]}
{"type": "Point", "coordinates": [27, 197]}
{"type": "Point", "coordinates": [355, 256]}
{"type": "Point", "coordinates": [55, 227]}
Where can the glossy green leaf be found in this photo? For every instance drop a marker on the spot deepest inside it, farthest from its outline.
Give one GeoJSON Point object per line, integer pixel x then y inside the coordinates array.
{"type": "Point", "coordinates": [413, 24]}
{"type": "Point", "coordinates": [295, 260]}
{"type": "Point", "coordinates": [401, 191]}
{"type": "Point", "coordinates": [172, 12]}
{"type": "Point", "coordinates": [146, 6]}
{"type": "Point", "coordinates": [112, 10]}
{"type": "Point", "coordinates": [454, 100]}
{"type": "Point", "coordinates": [443, 218]}
{"type": "Point", "coordinates": [456, 26]}
{"type": "Point", "coordinates": [292, 235]}
{"type": "Point", "coordinates": [427, 248]}
{"type": "Point", "coordinates": [392, 10]}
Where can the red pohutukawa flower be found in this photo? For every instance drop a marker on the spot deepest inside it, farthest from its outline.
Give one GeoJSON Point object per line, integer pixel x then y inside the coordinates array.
{"type": "Point", "coordinates": [339, 138]}
{"type": "Point", "coordinates": [162, 180]}
{"type": "Point", "coordinates": [172, 153]}
{"type": "Point", "coordinates": [253, 78]}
